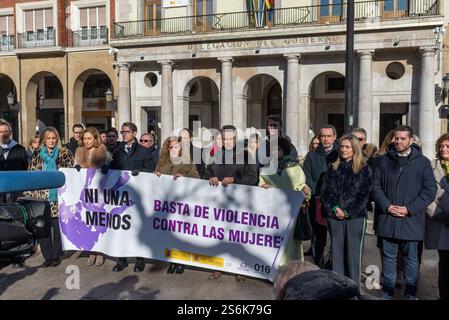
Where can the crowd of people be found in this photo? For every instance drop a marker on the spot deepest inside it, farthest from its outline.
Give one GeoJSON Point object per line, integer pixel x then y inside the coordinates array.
{"type": "Point", "coordinates": [342, 180]}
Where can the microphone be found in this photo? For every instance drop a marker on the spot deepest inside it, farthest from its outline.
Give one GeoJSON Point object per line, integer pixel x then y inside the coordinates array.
{"type": "Point", "coordinates": [13, 181]}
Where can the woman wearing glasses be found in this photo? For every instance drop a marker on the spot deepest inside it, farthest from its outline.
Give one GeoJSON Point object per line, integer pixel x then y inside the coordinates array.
{"type": "Point", "coordinates": [345, 192]}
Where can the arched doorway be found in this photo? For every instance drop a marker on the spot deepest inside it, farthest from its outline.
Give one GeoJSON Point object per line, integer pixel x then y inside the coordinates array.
{"type": "Point", "coordinates": [201, 95]}
{"type": "Point", "coordinates": [264, 97]}
{"type": "Point", "coordinates": [45, 102]}
{"type": "Point", "coordinates": [95, 112]}
{"type": "Point", "coordinates": [327, 101]}
{"type": "Point", "coordinates": [6, 87]}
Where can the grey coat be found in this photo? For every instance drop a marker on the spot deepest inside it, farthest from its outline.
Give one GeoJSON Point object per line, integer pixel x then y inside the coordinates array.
{"type": "Point", "coordinates": [437, 213]}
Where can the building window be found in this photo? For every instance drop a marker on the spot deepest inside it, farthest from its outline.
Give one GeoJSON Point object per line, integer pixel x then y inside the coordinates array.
{"type": "Point", "coordinates": [395, 70]}
{"type": "Point", "coordinates": [153, 16]}
{"type": "Point", "coordinates": [6, 31]}
{"type": "Point", "coordinates": [39, 24]}
{"type": "Point", "coordinates": [150, 79]}
{"type": "Point", "coordinates": [93, 23]}
{"type": "Point", "coordinates": [335, 84]}
{"type": "Point", "coordinates": [330, 10]}
{"type": "Point", "coordinates": [203, 11]}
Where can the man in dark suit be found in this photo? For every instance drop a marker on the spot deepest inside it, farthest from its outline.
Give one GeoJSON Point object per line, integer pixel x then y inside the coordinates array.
{"type": "Point", "coordinates": [13, 156]}
{"type": "Point", "coordinates": [130, 155]}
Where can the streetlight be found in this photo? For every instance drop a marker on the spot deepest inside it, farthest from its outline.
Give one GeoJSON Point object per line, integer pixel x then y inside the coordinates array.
{"type": "Point", "coordinates": [445, 93]}
{"type": "Point", "coordinates": [15, 106]}
{"type": "Point", "coordinates": [110, 100]}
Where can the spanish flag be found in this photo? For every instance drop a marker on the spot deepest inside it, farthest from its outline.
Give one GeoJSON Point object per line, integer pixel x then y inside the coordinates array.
{"type": "Point", "coordinates": [269, 4]}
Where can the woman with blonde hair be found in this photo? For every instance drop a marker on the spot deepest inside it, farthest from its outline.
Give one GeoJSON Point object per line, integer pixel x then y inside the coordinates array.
{"type": "Point", "coordinates": [50, 156]}
{"type": "Point", "coordinates": [344, 195]}
{"type": "Point", "coordinates": [174, 163]}
{"type": "Point", "coordinates": [92, 154]}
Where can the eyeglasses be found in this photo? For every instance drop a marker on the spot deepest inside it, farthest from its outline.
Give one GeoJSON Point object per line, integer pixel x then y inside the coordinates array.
{"type": "Point", "coordinates": [143, 140]}
{"type": "Point", "coordinates": [124, 132]}
{"type": "Point", "coordinates": [361, 139]}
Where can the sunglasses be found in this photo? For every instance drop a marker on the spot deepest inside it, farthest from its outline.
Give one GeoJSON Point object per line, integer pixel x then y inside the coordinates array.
{"type": "Point", "coordinates": [360, 139]}
{"type": "Point", "coordinates": [144, 140]}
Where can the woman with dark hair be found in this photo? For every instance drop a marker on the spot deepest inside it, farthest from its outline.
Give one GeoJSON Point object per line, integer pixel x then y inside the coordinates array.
{"type": "Point", "coordinates": [174, 163]}
{"type": "Point", "coordinates": [344, 195]}
{"type": "Point", "coordinates": [92, 154]}
{"type": "Point", "coordinates": [314, 143]}
{"type": "Point", "coordinates": [437, 218]}
{"type": "Point", "coordinates": [50, 156]}
{"type": "Point", "coordinates": [289, 176]}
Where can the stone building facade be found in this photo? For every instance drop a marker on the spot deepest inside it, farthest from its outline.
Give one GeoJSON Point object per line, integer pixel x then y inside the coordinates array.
{"type": "Point", "coordinates": [216, 62]}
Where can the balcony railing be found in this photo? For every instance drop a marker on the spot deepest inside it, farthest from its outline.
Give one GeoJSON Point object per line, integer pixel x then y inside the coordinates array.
{"type": "Point", "coordinates": [6, 43]}
{"type": "Point", "coordinates": [91, 37]}
{"type": "Point", "coordinates": [36, 39]}
{"type": "Point", "coordinates": [277, 18]}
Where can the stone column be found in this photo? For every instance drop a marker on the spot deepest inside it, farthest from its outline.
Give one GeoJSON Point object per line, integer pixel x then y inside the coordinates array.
{"type": "Point", "coordinates": [427, 108]}
{"type": "Point", "coordinates": [124, 99]}
{"type": "Point", "coordinates": [365, 108]}
{"type": "Point", "coordinates": [226, 96]}
{"type": "Point", "coordinates": [304, 125]}
{"type": "Point", "coordinates": [166, 99]}
{"type": "Point", "coordinates": [291, 127]}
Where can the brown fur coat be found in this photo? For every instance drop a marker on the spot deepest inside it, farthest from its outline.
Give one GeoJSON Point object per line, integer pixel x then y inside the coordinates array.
{"type": "Point", "coordinates": [93, 158]}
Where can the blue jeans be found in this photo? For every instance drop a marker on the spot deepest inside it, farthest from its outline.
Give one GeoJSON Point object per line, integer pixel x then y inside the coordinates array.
{"type": "Point", "coordinates": [411, 265]}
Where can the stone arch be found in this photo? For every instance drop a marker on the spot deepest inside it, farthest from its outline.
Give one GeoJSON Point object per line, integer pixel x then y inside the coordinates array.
{"type": "Point", "coordinates": [7, 86]}
{"type": "Point", "coordinates": [201, 102]}
{"type": "Point", "coordinates": [256, 94]}
{"type": "Point", "coordinates": [77, 96]}
{"type": "Point", "coordinates": [30, 106]}
{"type": "Point", "coordinates": [327, 104]}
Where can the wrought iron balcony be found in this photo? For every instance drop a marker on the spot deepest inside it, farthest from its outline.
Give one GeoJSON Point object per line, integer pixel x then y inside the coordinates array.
{"type": "Point", "coordinates": [276, 18]}
{"type": "Point", "coordinates": [90, 37]}
{"type": "Point", "coordinates": [6, 43]}
{"type": "Point", "coordinates": [36, 39]}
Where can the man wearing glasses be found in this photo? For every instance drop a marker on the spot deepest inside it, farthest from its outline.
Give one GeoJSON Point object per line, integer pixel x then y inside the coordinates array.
{"type": "Point", "coordinates": [130, 155]}
{"type": "Point", "coordinates": [147, 140]}
{"type": "Point", "coordinates": [361, 135]}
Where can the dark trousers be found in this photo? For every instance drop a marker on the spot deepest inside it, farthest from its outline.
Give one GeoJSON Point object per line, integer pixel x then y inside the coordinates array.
{"type": "Point", "coordinates": [411, 265]}
{"type": "Point", "coordinates": [51, 247]}
{"type": "Point", "coordinates": [318, 241]}
{"type": "Point", "coordinates": [347, 237]}
{"type": "Point", "coordinates": [443, 274]}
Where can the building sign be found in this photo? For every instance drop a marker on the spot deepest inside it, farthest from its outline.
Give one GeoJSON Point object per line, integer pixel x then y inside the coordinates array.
{"type": "Point", "coordinates": [269, 43]}
{"type": "Point", "coordinates": [175, 3]}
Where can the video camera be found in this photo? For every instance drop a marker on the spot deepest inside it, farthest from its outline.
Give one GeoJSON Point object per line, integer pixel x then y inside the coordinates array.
{"type": "Point", "coordinates": [25, 221]}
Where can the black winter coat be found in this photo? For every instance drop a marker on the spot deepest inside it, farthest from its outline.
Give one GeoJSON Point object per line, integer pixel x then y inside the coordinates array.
{"type": "Point", "coordinates": [139, 158]}
{"type": "Point", "coordinates": [347, 190]}
{"type": "Point", "coordinates": [412, 185]}
{"type": "Point", "coordinates": [316, 165]}
{"type": "Point", "coordinates": [243, 173]}
{"type": "Point", "coordinates": [17, 159]}
{"type": "Point", "coordinates": [72, 145]}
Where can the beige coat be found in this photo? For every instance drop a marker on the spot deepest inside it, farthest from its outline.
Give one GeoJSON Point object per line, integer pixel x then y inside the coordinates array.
{"type": "Point", "coordinates": [437, 233]}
